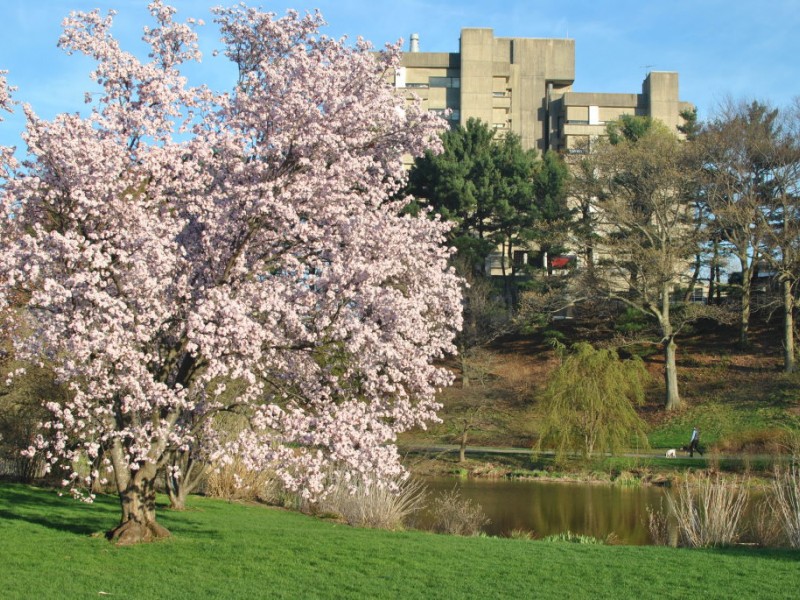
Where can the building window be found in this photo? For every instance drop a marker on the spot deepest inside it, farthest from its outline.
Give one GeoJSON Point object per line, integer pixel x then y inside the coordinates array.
{"type": "Point", "coordinates": [520, 258]}
{"type": "Point", "coordinates": [445, 82]}
{"type": "Point", "coordinates": [578, 150]}
{"type": "Point", "coordinates": [400, 77]}
{"type": "Point", "coordinates": [578, 144]}
{"type": "Point", "coordinates": [594, 115]}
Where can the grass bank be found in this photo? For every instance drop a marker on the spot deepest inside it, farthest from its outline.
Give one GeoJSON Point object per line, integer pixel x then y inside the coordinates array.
{"type": "Point", "coordinates": [628, 469]}
{"type": "Point", "coordinates": [223, 550]}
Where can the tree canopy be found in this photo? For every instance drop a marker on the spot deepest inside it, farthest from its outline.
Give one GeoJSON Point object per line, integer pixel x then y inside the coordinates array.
{"type": "Point", "coordinates": [645, 236]}
{"type": "Point", "coordinates": [499, 196]}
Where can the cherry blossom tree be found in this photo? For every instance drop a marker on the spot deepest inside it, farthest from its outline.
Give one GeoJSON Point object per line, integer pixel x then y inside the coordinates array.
{"type": "Point", "coordinates": [7, 161]}
{"type": "Point", "coordinates": [177, 241]}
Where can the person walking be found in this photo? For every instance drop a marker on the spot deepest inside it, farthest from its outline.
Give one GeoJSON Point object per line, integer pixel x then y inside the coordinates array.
{"type": "Point", "coordinates": [694, 443]}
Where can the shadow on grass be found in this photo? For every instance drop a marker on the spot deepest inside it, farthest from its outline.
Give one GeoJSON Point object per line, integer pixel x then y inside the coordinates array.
{"type": "Point", "coordinates": [779, 554]}
{"type": "Point", "coordinates": [45, 507]}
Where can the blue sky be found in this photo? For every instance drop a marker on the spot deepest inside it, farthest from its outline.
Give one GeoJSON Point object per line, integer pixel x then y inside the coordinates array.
{"type": "Point", "coordinates": [721, 48]}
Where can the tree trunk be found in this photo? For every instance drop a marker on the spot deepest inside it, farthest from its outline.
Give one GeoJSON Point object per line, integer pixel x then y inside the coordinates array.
{"type": "Point", "coordinates": [462, 451]}
{"type": "Point", "coordinates": [744, 321]}
{"type": "Point", "coordinates": [788, 326]}
{"type": "Point", "coordinates": [509, 290]}
{"type": "Point", "coordinates": [713, 277]}
{"type": "Point", "coordinates": [465, 382]}
{"type": "Point", "coordinates": [711, 287]}
{"type": "Point", "coordinates": [177, 497]}
{"type": "Point", "coordinates": [673, 400]}
{"type": "Point", "coordinates": [178, 489]}
{"type": "Point", "coordinates": [188, 477]}
{"type": "Point", "coordinates": [698, 263]}
{"type": "Point", "coordinates": [138, 503]}
{"type": "Point", "coordinates": [744, 316]}
{"type": "Point", "coordinates": [712, 274]}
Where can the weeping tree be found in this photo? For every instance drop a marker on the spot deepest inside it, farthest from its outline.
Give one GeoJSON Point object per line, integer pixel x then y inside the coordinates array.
{"type": "Point", "coordinates": [589, 403]}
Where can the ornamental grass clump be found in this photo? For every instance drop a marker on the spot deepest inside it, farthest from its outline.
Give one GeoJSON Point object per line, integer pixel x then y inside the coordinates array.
{"type": "Point", "coordinates": [234, 481]}
{"type": "Point", "coordinates": [365, 503]}
{"type": "Point", "coordinates": [455, 515]}
{"type": "Point", "coordinates": [658, 526]}
{"type": "Point", "coordinates": [708, 511]}
{"type": "Point", "coordinates": [574, 538]}
{"type": "Point", "coordinates": [785, 503]}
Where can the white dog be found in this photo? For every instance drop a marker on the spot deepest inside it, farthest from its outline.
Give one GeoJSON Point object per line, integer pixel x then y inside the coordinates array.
{"type": "Point", "coordinates": [671, 453]}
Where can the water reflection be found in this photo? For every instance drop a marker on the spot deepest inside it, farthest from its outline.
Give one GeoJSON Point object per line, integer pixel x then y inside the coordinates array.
{"type": "Point", "coordinates": [548, 508]}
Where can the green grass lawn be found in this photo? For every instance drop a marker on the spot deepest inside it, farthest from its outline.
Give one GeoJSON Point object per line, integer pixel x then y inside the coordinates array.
{"type": "Point", "coordinates": [222, 550]}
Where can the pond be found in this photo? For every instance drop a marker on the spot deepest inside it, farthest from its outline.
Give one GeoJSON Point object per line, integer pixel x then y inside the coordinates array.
{"type": "Point", "coordinates": [547, 508]}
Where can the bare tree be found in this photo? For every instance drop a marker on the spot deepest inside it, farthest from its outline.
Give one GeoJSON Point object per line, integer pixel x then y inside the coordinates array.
{"type": "Point", "coordinates": [782, 234]}
{"type": "Point", "coordinates": [647, 232]}
{"type": "Point", "coordinates": [738, 148]}
{"type": "Point", "coordinates": [476, 407]}
{"type": "Point", "coordinates": [585, 189]}
{"type": "Point", "coordinates": [486, 318]}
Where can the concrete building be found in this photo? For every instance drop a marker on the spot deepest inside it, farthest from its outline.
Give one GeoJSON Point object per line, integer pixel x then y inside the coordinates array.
{"type": "Point", "coordinates": [524, 85]}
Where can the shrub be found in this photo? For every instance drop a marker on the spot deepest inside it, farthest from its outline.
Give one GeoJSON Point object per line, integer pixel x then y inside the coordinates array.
{"type": "Point", "coordinates": [627, 479]}
{"type": "Point", "coordinates": [457, 516]}
{"type": "Point", "coordinates": [632, 321]}
{"type": "Point", "coordinates": [772, 440]}
{"type": "Point", "coordinates": [21, 411]}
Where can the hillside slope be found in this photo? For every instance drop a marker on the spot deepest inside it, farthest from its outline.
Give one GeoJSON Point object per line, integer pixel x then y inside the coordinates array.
{"type": "Point", "coordinates": [739, 397]}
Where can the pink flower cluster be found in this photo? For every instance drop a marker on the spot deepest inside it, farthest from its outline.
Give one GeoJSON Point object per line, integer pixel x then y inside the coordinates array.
{"type": "Point", "coordinates": [187, 253]}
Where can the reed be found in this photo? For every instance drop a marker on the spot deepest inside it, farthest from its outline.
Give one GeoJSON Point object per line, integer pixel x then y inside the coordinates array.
{"type": "Point", "coordinates": [708, 511]}
{"type": "Point", "coordinates": [455, 515]}
{"type": "Point", "coordinates": [366, 504]}
{"type": "Point", "coordinates": [785, 502]}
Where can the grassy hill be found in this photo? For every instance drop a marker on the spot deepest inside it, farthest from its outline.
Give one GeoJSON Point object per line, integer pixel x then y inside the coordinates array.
{"type": "Point", "coordinates": [227, 550]}
{"type": "Point", "coordinates": [740, 398]}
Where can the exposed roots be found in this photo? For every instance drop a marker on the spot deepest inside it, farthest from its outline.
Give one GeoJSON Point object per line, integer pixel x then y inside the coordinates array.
{"type": "Point", "coordinates": [132, 532]}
